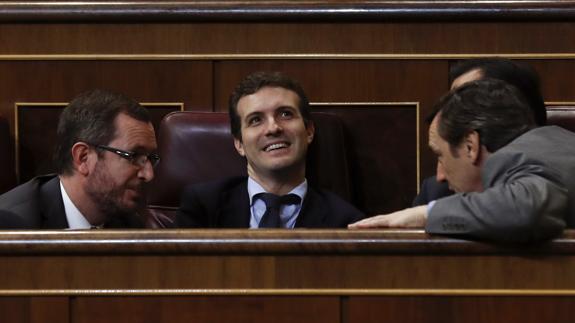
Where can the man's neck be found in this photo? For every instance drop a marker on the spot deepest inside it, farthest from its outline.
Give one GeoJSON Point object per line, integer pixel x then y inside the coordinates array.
{"type": "Point", "coordinates": [83, 203]}
{"type": "Point", "coordinates": [277, 183]}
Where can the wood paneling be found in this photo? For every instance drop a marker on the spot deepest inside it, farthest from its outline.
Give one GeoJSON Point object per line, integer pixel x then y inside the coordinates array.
{"type": "Point", "coordinates": [280, 275]}
{"type": "Point", "coordinates": [37, 124]}
{"type": "Point", "coordinates": [188, 82]}
{"type": "Point", "coordinates": [314, 260]}
{"type": "Point", "coordinates": [410, 37]}
{"type": "Point", "coordinates": [34, 309]}
{"type": "Point", "coordinates": [445, 309]}
{"type": "Point", "coordinates": [421, 81]}
{"type": "Point", "coordinates": [279, 309]}
{"type": "Point", "coordinates": [382, 143]}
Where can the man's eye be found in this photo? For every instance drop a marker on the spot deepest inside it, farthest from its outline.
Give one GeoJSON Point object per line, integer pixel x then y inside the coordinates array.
{"type": "Point", "coordinates": [286, 114]}
{"type": "Point", "coordinates": [254, 121]}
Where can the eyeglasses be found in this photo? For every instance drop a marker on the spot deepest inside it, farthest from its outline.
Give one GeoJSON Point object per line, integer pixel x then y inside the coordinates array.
{"type": "Point", "coordinates": [136, 159]}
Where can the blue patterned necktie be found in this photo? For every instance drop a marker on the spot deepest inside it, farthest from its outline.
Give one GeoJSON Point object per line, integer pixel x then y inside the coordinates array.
{"type": "Point", "coordinates": [271, 218]}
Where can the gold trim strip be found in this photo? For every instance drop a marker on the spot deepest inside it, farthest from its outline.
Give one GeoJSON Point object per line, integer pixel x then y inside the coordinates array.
{"type": "Point", "coordinates": [215, 56]}
{"type": "Point", "coordinates": [559, 103]}
{"type": "Point", "coordinates": [295, 292]}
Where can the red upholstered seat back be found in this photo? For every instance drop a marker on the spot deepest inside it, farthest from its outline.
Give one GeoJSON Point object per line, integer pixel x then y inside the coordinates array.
{"type": "Point", "coordinates": [197, 147]}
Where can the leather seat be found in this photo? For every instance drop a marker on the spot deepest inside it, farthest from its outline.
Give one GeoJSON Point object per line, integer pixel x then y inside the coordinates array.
{"type": "Point", "coordinates": [197, 147]}
{"type": "Point", "coordinates": [563, 116]}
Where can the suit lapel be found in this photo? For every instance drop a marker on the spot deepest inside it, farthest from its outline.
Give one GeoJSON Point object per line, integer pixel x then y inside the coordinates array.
{"type": "Point", "coordinates": [234, 207]}
{"type": "Point", "coordinates": [53, 213]}
{"type": "Point", "coordinates": [313, 213]}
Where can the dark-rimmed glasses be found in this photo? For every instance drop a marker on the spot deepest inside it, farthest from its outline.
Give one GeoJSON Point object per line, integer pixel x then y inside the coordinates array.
{"type": "Point", "coordinates": [136, 159]}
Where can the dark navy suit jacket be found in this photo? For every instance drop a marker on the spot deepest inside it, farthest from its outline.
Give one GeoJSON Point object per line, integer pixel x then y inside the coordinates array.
{"type": "Point", "coordinates": [38, 204]}
{"type": "Point", "coordinates": [431, 190]}
{"type": "Point", "coordinates": [225, 204]}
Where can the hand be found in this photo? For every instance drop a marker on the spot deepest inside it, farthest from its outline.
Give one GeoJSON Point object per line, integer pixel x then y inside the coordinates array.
{"type": "Point", "coordinates": [414, 217]}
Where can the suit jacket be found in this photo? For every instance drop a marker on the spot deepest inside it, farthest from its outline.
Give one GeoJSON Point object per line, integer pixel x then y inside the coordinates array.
{"type": "Point", "coordinates": [225, 204]}
{"type": "Point", "coordinates": [38, 204]}
{"type": "Point", "coordinates": [431, 190]}
{"type": "Point", "coordinates": [529, 192]}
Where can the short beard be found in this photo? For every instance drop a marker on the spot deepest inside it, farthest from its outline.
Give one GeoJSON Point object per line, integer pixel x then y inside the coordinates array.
{"type": "Point", "coordinates": [106, 196]}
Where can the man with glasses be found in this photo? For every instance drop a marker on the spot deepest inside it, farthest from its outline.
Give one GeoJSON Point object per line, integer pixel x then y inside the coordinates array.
{"type": "Point", "coordinates": [104, 157]}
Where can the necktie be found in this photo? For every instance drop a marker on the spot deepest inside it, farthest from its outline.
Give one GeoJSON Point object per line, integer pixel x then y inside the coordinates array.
{"type": "Point", "coordinates": [271, 218]}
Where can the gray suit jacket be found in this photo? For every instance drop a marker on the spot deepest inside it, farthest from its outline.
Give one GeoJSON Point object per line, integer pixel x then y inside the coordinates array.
{"type": "Point", "coordinates": [529, 192]}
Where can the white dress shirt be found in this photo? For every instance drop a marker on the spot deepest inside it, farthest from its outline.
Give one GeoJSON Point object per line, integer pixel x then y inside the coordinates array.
{"type": "Point", "coordinates": [76, 219]}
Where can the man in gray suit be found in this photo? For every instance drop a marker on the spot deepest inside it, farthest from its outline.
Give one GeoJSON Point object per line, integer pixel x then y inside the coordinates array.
{"type": "Point", "coordinates": [514, 182]}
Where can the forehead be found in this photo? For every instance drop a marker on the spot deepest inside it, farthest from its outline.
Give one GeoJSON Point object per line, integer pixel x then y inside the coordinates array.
{"type": "Point", "coordinates": [132, 133]}
{"type": "Point", "coordinates": [267, 98]}
{"type": "Point", "coordinates": [469, 76]}
{"type": "Point", "coordinates": [435, 141]}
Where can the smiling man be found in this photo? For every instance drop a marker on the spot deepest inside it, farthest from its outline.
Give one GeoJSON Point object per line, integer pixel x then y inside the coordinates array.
{"type": "Point", "coordinates": [272, 129]}
{"type": "Point", "coordinates": [104, 157]}
{"type": "Point", "coordinates": [514, 182]}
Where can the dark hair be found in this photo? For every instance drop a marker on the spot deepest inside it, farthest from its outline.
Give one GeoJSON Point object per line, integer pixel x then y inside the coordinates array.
{"type": "Point", "coordinates": [522, 76]}
{"type": "Point", "coordinates": [253, 83]}
{"type": "Point", "coordinates": [493, 108]}
{"type": "Point", "coordinates": [90, 118]}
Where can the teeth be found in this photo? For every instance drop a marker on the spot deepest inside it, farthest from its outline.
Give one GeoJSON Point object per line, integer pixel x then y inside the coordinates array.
{"type": "Point", "coordinates": [276, 146]}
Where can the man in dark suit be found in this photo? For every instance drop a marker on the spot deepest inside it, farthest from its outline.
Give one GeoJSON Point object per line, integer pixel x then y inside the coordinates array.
{"type": "Point", "coordinates": [523, 77]}
{"type": "Point", "coordinates": [271, 125]}
{"type": "Point", "coordinates": [513, 180]}
{"type": "Point", "coordinates": [104, 157]}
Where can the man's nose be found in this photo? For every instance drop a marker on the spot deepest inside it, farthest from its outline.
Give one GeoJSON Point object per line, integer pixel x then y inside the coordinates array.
{"type": "Point", "coordinates": [440, 173]}
{"type": "Point", "coordinates": [146, 172]}
{"type": "Point", "coordinates": [273, 127]}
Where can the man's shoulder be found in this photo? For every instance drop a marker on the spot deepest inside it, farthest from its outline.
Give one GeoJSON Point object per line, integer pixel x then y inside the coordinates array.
{"type": "Point", "coordinates": [216, 187]}
{"type": "Point", "coordinates": [333, 203]}
{"type": "Point", "coordinates": [24, 193]}
{"type": "Point", "coordinates": [22, 206]}
{"type": "Point", "coordinates": [541, 138]}
{"type": "Point", "coordinates": [201, 204]}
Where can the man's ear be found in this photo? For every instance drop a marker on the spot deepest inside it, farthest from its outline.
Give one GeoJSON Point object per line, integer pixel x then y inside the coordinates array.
{"type": "Point", "coordinates": [81, 158]}
{"type": "Point", "coordinates": [310, 129]}
{"type": "Point", "coordinates": [473, 147]}
{"type": "Point", "coordinates": [239, 147]}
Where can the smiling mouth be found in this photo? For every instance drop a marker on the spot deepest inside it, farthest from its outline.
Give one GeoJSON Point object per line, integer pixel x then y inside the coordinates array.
{"type": "Point", "coordinates": [276, 146]}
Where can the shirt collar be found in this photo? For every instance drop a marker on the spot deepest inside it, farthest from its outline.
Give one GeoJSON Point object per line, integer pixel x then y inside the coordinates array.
{"type": "Point", "coordinates": [76, 220]}
{"type": "Point", "coordinates": [254, 188]}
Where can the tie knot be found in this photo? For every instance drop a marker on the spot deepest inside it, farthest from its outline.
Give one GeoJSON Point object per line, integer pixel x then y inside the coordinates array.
{"type": "Point", "coordinates": [275, 201]}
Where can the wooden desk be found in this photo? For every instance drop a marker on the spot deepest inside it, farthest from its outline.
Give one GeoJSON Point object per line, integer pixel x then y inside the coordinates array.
{"type": "Point", "coordinates": [284, 276]}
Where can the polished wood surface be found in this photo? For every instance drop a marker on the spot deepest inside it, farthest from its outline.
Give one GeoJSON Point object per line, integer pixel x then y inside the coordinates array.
{"type": "Point", "coordinates": [35, 309]}
{"type": "Point", "coordinates": [461, 309]}
{"type": "Point", "coordinates": [247, 309]}
{"type": "Point", "coordinates": [165, 10]}
{"type": "Point", "coordinates": [284, 275]}
{"type": "Point", "coordinates": [234, 260]}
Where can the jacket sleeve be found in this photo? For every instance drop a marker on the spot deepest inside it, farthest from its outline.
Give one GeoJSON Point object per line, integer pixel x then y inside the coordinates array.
{"type": "Point", "coordinates": [523, 201]}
